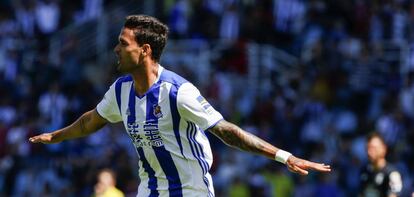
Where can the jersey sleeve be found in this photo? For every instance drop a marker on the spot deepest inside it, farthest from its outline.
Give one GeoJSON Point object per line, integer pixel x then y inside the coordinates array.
{"type": "Point", "coordinates": [195, 108]}
{"type": "Point", "coordinates": [108, 107]}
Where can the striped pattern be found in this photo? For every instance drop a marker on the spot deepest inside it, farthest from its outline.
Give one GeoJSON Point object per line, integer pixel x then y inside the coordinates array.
{"type": "Point", "coordinates": [197, 150]}
{"type": "Point", "coordinates": [152, 183]}
{"type": "Point", "coordinates": [175, 116]}
{"type": "Point", "coordinates": [163, 156]}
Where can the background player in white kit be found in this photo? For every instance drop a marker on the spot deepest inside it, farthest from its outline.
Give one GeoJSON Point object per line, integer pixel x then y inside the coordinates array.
{"type": "Point", "coordinates": [165, 117]}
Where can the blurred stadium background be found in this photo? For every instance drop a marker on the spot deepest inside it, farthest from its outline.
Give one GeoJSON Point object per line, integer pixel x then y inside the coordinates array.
{"type": "Point", "coordinates": [310, 76]}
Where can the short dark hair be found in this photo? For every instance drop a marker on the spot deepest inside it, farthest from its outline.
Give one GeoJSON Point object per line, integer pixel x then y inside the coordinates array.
{"type": "Point", "coordinates": [375, 134]}
{"type": "Point", "coordinates": [148, 30]}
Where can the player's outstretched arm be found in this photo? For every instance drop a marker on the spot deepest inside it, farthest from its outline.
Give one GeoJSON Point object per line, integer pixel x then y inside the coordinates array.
{"type": "Point", "coordinates": [236, 137]}
{"type": "Point", "coordinates": [88, 123]}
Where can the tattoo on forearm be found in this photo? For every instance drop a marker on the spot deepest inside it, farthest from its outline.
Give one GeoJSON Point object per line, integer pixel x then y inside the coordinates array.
{"type": "Point", "coordinates": [82, 124]}
{"type": "Point", "coordinates": [236, 137]}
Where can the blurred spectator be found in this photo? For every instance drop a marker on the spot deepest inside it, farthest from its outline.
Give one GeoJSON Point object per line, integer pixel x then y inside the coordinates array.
{"type": "Point", "coordinates": [25, 16]}
{"type": "Point", "coordinates": [391, 124]}
{"type": "Point", "coordinates": [379, 178]}
{"type": "Point", "coordinates": [7, 112]}
{"type": "Point", "coordinates": [92, 9]}
{"type": "Point", "coordinates": [106, 185]}
{"type": "Point", "coordinates": [289, 15]}
{"type": "Point", "coordinates": [47, 13]}
{"type": "Point", "coordinates": [179, 19]}
{"type": "Point", "coordinates": [52, 106]}
{"type": "Point", "coordinates": [407, 96]}
{"type": "Point", "coordinates": [399, 22]}
{"type": "Point", "coordinates": [16, 140]}
{"type": "Point", "coordinates": [10, 66]}
{"type": "Point", "coordinates": [229, 25]}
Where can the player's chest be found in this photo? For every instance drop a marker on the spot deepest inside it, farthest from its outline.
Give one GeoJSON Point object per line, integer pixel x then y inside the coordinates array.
{"type": "Point", "coordinates": [148, 120]}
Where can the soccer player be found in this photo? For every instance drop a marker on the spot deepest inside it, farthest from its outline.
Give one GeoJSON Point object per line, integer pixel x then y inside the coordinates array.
{"type": "Point", "coordinates": [166, 118]}
{"type": "Point", "coordinates": [379, 178]}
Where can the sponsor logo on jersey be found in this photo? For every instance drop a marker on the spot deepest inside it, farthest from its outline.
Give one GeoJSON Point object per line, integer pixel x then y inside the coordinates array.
{"type": "Point", "coordinates": [149, 136]}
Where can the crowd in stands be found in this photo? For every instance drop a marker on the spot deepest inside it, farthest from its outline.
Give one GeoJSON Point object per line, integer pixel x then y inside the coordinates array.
{"type": "Point", "coordinates": [355, 75]}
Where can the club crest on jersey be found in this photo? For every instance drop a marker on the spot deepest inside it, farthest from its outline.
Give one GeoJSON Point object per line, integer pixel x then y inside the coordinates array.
{"type": "Point", "coordinates": [157, 111]}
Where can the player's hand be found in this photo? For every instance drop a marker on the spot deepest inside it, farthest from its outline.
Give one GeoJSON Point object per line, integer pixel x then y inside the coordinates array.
{"type": "Point", "coordinates": [45, 138]}
{"type": "Point", "coordinates": [302, 166]}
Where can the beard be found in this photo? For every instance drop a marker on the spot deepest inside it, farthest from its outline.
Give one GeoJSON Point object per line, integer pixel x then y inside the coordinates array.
{"type": "Point", "coordinates": [122, 67]}
{"type": "Point", "coordinates": [127, 63]}
{"type": "Point", "coordinates": [126, 67]}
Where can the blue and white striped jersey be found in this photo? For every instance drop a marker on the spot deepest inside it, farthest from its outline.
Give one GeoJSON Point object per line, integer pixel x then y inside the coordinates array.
{"type": "Point", "coordinates": [166, 126]}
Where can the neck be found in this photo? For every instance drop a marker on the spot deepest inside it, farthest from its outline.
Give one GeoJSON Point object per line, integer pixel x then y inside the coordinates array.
{"type": "Point", "coordinates": [380, 164]}
{"type": "Point", "coordinates": [145, 77]}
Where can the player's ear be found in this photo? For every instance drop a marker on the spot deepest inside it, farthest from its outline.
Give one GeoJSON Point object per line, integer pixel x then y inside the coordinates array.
{"type": "Point", "coordinates": [146, 49]}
